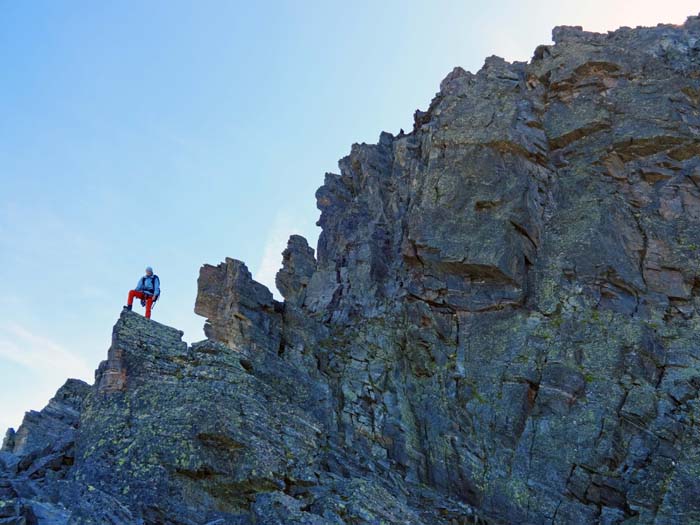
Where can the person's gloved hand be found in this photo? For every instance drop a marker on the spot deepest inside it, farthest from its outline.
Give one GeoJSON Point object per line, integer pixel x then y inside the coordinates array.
{"type": "Point", "coordinates": [143, 302]}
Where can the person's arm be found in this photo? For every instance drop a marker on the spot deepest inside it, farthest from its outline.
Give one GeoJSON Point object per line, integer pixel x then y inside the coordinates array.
{"type": "Point", "coordinates": [139, 286]}
{"type": "Point", "coordinates": [156, 286]}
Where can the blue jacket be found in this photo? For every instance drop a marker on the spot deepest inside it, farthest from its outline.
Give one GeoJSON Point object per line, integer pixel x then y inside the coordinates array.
{"type": "Point", "coordinates": [149, 285]}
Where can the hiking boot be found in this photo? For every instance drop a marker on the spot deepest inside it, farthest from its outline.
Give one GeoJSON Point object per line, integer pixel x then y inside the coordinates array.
{"type": "Point", "coordinates": [127, 307]}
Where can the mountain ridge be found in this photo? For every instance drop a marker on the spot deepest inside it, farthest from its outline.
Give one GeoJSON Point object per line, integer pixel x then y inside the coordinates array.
{"type": "Point", "coordinates": [500, 324]}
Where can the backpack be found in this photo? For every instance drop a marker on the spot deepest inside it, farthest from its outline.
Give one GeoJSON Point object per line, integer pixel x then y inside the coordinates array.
{"type": "Point", "coordinates": [153, 284]}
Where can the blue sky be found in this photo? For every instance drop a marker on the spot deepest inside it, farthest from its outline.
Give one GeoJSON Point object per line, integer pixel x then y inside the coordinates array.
{"type": "Point", "coordinates": [178, 133]}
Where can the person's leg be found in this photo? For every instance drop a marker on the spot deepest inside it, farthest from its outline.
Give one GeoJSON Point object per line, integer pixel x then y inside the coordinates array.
{"type": "Point", "coordinates": [149, 302]}
{"type": "Point", "coordinates": [130, 299]}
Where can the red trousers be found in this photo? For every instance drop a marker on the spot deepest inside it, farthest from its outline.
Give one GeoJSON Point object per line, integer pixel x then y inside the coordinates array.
{"type": "Point", "coordinates": [141, 295]}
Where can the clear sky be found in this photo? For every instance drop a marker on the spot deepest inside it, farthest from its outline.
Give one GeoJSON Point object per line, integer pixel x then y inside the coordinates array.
{"type": "Point", "coordinates": [176, 133]}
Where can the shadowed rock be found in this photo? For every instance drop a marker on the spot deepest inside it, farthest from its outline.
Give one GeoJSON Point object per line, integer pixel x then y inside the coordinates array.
{"type": "Point", "coordinates": [298, 265]}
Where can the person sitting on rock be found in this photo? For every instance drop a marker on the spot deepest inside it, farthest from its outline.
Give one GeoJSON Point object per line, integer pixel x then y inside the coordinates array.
{"type": "Point", "coordinates": [148, 290]}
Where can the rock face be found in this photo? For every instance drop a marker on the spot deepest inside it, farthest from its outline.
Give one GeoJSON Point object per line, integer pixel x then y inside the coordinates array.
{"type": "Point", "coordinates": [501, 324]}
{"type": "Point", "coordinates": [35, 460]}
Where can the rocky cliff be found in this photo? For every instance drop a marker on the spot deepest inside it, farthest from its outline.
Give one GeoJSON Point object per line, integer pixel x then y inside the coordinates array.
{"type": "Point", "coordinates": [500, 324]}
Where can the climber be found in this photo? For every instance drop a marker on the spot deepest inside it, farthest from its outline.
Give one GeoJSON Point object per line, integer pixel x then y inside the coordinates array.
{"type": "Point", "coordinates": [148, 290]}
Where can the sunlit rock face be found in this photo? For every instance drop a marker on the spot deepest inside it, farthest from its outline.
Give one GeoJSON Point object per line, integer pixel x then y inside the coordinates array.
{"type": "Point", "coordinates": [500, 324]}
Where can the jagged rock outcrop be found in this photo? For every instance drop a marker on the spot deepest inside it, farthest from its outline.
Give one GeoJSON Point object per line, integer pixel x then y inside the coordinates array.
{"type": "Point", "coordinates": [298, 266]}
{"type": "Point", "coordinates": [194, 435]}
{"type": "Point", "coordinates": [240, 311]}
{"type": "Point", "coordinates": [500, 324]}
{"type": "Point", "coordinates": [35, 460]}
